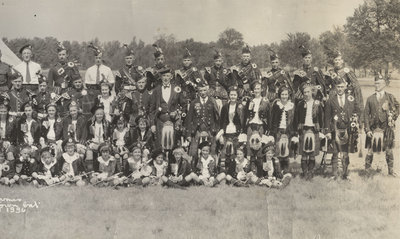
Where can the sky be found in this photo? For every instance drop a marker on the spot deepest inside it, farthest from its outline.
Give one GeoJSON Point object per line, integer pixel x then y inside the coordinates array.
{"type": "Point", "coordinates": [260, 21]}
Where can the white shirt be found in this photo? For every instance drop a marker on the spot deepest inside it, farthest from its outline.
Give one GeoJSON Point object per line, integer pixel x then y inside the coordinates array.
{"type": "Point", "coordinates": [28, 135]}
{"type": "Point", "coordinates": [69, 160]}
{"type": "Point", "coordinates": [107, 106]}
{"type": "Point", "coordinates": [341, 98]}
{"type": "Point", "coordinates": [98, 132]}
{"type": "Point", "coordinates": [91, 73]}
{"type": "Point", "coordinates": [3, 130]}
{"type": "Point", "coordinates": [74, 127]}
{"type": "Point", "coordinates": [309, 121]}
{"type": "Point", "coordinates": [231, 128]}
{"type": "Point", "coordinates": [51, 134]}
{"type": "Point", "coordinates": [166, 92]}
{"type": "Point", "coordinates": [380, 94]}
{"type": "Point", "coordinates": [33, 68]}
{"type": "Point", "coordinates": [203, 100]}
{"type": "Point", "coordinates": [256, 119]}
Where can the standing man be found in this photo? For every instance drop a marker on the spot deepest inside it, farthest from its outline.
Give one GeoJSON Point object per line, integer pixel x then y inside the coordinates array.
{"type": "Point", "coordinates": [5, 73]}
{"type": "Point", "coordinates": [58, 77]}
{"type": "Point", "coordinates": [142, 98]}
{"type": "Point", "coordinates": [310, 75]}
{"type": "Point", "coordinates": [218, 78]}
{"type": "Point", "coordinates": [276, 78]}
{"type": "Point", "coordinates": [18, 95]}
{"type": "Point", "coordinates": [202, 120]}
{"type": "Point", "coordinates": [246, 73]}
{"type": "Point", "coordinates": [381, 112]}
{"type": "Point", "coordinates": [127, 77]}
{"type": "Point", "coordinates": [28, 69]}
{"type": "Point", "coordinates": [353, 86]}
{"type": "Point", "coordinates": [153, 73]}
{"type": "Point", "coordinates": [166, 107]}
{"type": "Point", "coordinates": [188, 77]}
{"type": "Point", "coordinates": [342, 115]}
{"type": "Point", "coordinates": [98, 72]}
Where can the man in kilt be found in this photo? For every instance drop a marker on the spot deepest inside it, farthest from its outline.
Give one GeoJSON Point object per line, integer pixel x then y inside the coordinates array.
{"type": "Point", "coordinates": [381, 112]}
{"type": "Point", "coordinates": [341, 125]}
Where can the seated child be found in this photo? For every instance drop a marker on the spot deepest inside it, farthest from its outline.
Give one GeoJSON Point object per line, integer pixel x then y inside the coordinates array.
{"type": "Point", "coordinates": [107, 166]}
{"type": "Point", "coordinates": [136, 169]}
{"type": "Point", "coordinates": [205, 166]}
{"type": "Point", "coordinates": [179, 169]}
{"type": "Point", "coordinates": [118, 137]}
{"type": "Point", "coordinates": [25, 165]}
{"type": "Point", "coordinates": [48, 170]}
{"type": "Point", "coordinates": [71, 162]}
{"type": "Point", "coordinates": [237, 174]}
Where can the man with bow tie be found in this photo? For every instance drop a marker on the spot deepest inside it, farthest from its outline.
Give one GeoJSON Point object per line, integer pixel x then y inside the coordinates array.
{"type": "Point", "coordinates": [166, 109]}
{"type": "Point", "coordinates": [202, 119]}
{"type": "Point", "coordinates": [341, 119]}
{"type": "Point", "coordinates": [381, 112]}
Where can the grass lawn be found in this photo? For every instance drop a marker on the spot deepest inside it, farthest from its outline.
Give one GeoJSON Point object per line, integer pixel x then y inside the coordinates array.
{"type": "Point", "coordinates": [360, 208]}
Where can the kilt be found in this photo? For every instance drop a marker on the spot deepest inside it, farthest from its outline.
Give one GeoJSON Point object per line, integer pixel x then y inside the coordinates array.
{"type": "Point", "coordinates": [304, 142]}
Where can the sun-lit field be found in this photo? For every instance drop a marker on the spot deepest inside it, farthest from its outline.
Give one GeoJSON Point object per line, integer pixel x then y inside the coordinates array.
{"type": "Point", "coordinates": [364, 207]}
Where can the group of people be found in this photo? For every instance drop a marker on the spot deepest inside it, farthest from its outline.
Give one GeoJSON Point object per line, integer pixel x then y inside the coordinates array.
{"type": "Point", "coordinates": [156, 125]}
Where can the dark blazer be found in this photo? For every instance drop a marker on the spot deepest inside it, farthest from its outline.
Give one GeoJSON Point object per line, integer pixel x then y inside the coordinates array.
{"type": "Point", "coordinates": [263, 113]}
{"type": "Point", "coordinates": [11, 126]}
{"type": "Point", "coordinates": [35, 131]}
{"type": "Point", "coordinates": [58, 128]}
{"type": "Point", "coordinates": [176, 100]}
{"type": "Point", "coordinates": [300, 115]}
{"type": "Point", "coordinates": [199, 114]}
{"type": "Point", "coordinates": [81, 129]}
{"type": "Point", "coordinates": [184, 167]}
{"type": "Point", "coordinates": [276, 117]}
{"type": "Point", "coordinates": [133, 138]}
{"type": "Point", "coordinates": [78, 165]}
{"type": "Point", "coordinates": [90, 127]}
{"type": "Point", "coordinates": [224, 120]}
{"type": "Point", "coordinates": [375, 115]}
{"type": "Point", "coordinates": [342, 114]}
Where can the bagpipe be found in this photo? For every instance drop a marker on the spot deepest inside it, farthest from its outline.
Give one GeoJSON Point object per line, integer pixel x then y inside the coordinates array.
{"type": "Point", "coordinates": [278, 77]}
{"type": "Point", "coordinates": [300, 76]}
{"type": "Point", "coordinates": [184, 78]}
{"type": "Point", "coordinates": [241, 77]}
{"type": "Point", "coordinates": [67, 72]}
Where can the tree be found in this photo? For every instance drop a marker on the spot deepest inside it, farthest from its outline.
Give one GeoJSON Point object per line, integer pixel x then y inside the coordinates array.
{"type": "Point", "coordinates": [374, 31]}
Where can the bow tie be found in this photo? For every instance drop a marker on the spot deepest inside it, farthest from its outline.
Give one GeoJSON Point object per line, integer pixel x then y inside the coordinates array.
{"type": "Point", "coordinates": [166, 86]}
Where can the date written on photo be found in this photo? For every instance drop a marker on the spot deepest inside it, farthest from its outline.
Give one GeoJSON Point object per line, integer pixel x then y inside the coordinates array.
{"type": "Point", "coordinates": [17, 205]}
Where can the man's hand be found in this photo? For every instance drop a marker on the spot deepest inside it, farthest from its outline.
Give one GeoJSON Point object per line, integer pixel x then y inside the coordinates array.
{"type": "Point", "coordinates": [369, 134]}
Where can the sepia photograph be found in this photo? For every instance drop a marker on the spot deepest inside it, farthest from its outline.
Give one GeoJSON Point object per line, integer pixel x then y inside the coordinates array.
{"type": "Point", "coordinates": [199, 119]}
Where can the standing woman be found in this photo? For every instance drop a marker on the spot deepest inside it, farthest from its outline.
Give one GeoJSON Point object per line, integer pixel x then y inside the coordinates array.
{"type": "Point", "coordinates": [282, 115]}
{"type": "Point", "coordinates": [231, 127]}
{"type": "Point", "coordinates": [99, 131]}
{"type": "Point", "coordinates": [51, 126]}
{"type": "Point", "coordinates": [107, 99]}
{"type": "Point", "coordinates": [256, 113]}
{"type": "Point", "coordinates": [308, 121]}
{"type": "Point", "coordinates": [7, 122]}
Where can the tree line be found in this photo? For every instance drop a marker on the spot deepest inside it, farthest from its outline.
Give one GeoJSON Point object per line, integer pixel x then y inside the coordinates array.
{"type": "Point", "coordinates": [369, 42]}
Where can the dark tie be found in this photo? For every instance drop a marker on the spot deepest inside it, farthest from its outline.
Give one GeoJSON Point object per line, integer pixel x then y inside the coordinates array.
{"type": "Point", "coordinates": [166, 86]}
{"type": "Point", "coordinates": [28, 74]}
{"type": "Point", "coordinates": [98, 75]}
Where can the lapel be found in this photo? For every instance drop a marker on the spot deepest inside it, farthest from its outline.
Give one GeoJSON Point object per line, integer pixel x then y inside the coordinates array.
{"type": "Point", "coordinates": [336, 101]}
{"type": "Point", "coordinates": [173, 93]}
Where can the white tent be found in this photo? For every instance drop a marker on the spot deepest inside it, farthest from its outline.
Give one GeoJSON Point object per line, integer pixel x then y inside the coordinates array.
{"type": "Point", "coordinates": [8, 56]}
